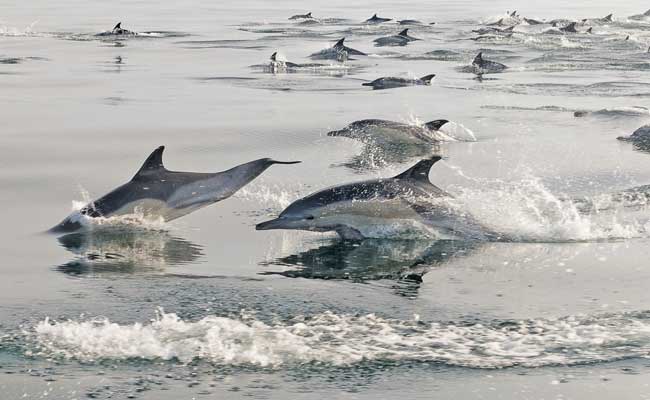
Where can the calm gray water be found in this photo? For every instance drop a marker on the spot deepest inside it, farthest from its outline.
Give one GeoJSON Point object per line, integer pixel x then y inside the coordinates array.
{"type": "Point", "coordinates": [205, 306]}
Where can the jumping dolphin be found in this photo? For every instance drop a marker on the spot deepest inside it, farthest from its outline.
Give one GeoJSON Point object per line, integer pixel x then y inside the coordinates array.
{"type": "Point", "coordinates": [482, 66]}
{"type": "Point", "coordinates": [383, 208]}
{"type": "Point", "coordinates": [117, 30]}
{"type": "Point", "coordinates": [390, 82]}
{"type": "Point", "coordinates": [401, 39]}
{"type": "Point", "coordinates": [377, 20]}
{"type": "Point", "coordinates": [380, 131]}
{"type": "Point", "coordinates": [337, 52]}
{"type": "Point", "coordinates": [301, 16]}
{"type": "Point", "coordinates": [157, 192]}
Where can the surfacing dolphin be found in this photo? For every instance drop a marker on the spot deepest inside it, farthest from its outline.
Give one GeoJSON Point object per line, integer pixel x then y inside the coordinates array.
{"type": "Point", "coordinates": [482, 66]}
{"type": "Point", "coordinates": [401, 39]}
{"type": "Point", "coordinates": [405, 205]}
{"type": "Point", "coordinates": [640, 138]}
{"type": "Point", "coordinates": [637, 17]}
{"type": "Point", "coordinates": [155, 191]}
{"type": "Point", "coordinates": [377, 20]}
{"type": "Point", "coordinates": [380, 131]}
{"type": "Point", "coordinates": [118, 31]}
{"type": "Point", "coordinates": [301, 16]}
{"type": "Point", "coordinates": [337, 52]}
{"type": "Point", "coordinates": [391, 82]}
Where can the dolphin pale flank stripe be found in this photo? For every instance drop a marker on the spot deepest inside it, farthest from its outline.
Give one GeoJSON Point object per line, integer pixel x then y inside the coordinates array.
{"type": "Point", "coordinates": [157, 192]}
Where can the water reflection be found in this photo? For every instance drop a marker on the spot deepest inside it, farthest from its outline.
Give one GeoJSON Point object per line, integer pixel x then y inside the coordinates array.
{"type": "Point", "coordinates": [123, 251]}
{"type": "Point", "coordinates": [403, 261]}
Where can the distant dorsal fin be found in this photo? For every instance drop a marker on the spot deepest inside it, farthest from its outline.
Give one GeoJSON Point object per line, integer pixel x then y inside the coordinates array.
{"type": "Point", "coordinates": [608, 17]}
{"type": "Point", "coordinates": [420, 171]}
{"type": "Point", "coordinates": [405, 32]}
{"type": "Point", "coordinates": [478, 59]}
{"type": "Point", "coordinates": [627, 37]}
{"type": "Point", "coordinates": [118, 26]}
{"type": "Point", "coordinates": [590, 29]}
{"type": "Point", "coordinates": [308, 14]}
{"type": "Point", "coordinates": [339, 43]}
{"type": "Point", "coordinates": [152, 163]}
{"type": "Point", "coordinates": [427, 78]}
{"type": "Point", "coordinates": [647, 13]}
{"type": "Point", "coordinates": [374, 16]}
{"type": "Point", "coordinates": [274, 56]}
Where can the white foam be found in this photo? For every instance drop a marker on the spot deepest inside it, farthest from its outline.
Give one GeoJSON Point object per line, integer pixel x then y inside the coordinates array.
{"type": "Point", "coordinates": [346, 339]}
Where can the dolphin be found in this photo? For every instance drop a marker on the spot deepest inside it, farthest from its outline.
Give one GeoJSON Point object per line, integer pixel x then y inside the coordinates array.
{"type": "Point", "coordinates": [482, 66]}
{"type": "Point", "coordinates": [405, 204]}
{"type": "Point", "coordinates": [401, 39]}
{"type": "Point", "coordinates": [157, 192]}
{"type": "Point", "coordinates": [590, 30]}
{"type": "Point", "coordinates": [410, 22]}
{"type": "Point", "coordinates": [377, 20]}
{"type": "Point", "coordinates": [571, 28]}
{"type": "Point", "coordinates": [279, 64]}
{"type": "Point", "coordinates": [513, 14]}
{"type": "Point", "coordinates": [338, 52]}
{"type": "Point", "coordinates": [301, 16]}
{"type": "Point", "coordinates": [531, 21]}
{"type": "Point", "coordinates": [118, 31]}
{"type": "Point", "coordinates": [640, 136]}
{"type": "Point", "coordinates": [645, 15]}
{"type": "Point", "coordinates": [390, 82]}
{"type": "Point", "coordinates": [379, 131]}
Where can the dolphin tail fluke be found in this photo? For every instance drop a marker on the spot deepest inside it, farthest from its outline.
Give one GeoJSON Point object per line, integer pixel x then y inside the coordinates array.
{"type": "Point", "coordinates": [427, 78]}
{"type": "Point", "coordinates": [436, 125]}
{"type": "Point", "coordinates": [405, 32]}
{"type": "Point", "coordinates": [420, 171]}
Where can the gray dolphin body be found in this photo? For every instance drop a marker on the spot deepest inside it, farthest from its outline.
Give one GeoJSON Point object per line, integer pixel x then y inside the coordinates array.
{"type": "Point", "coordinates": [379, 131]}
{"type": "Point", "coordinates": [482, 66]}
{"type": "Point", "coordinates": [407, 204]}
{"type": "Point", "coordinates": [157, 192]}
{"type": "Point", "coordinates": [640, 136]}
{"type": "Point", "coordinates": [118, 31]}
{"type": "Point", "coordinates": [401, 39]}
{"type": "Point", "coordinates": [391, 82]}
{"type": "Point", "coordinates": [637, 17]}
{"type": "Point", "coordinates": [339, 52]}
{"type": "Point", "coordinates": [301, 16]}
{"type": "Point", "coordinates": [377, 20]}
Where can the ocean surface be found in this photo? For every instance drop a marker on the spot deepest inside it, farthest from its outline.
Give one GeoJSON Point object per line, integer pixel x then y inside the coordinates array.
{"type": "Point", "coordinates": [207, 307]}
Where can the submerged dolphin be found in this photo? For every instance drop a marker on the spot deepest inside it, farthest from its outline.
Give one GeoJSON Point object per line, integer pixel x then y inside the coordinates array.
{"type": "Point", "coordinates": [337, 52]}
{"type": "Point", "coordinates": [390, 82]}
{"type": "Point", "coordinates": [301, 16]}
{"type": "Point", "coordinates": [401, 39]}
{"type": "Point", "coordinates": [379, 131]}
{"type": "Point", "coordinates": [482, 66]}
{"type": "Point", "coordinates": [158, 192]}
{"type": "Point", "coordinates": [377, 20]}
{"type": "Point", "coordinates": [390, 208]}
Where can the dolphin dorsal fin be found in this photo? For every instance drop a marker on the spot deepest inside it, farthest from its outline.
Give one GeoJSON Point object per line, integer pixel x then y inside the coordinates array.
{"type": "Point", "coordinates": [478, 59]}
{"type": "Point", "coordinates": [118, 26]}
{"type": "Point", "coordinates": [590, 29]}
{"type": "Point", "coordinates": [152, 163]}
{"type": "Point", "coordinates": [374, 16]}
{"type": "Point", "coordinates": [627, 37]}
{"type": "Point", "coordinates": [608, 17]}
{"type": "Point", "coordinates": [427, 78]}
{"type": "Point", "coordinates": [405, 32]}
{"type": "Point", "coordinates": [647, 13]}
{"type": "Point", "coordinates": [436, 125]}
{"type": "Point", "coordinates": [339, 43]}
{"type": "Point", "coordinates": [420, 171]}
{"type": "Point", "coordinates": [274, 56]}
{"type": "Point", "coordinates": [308, 14]}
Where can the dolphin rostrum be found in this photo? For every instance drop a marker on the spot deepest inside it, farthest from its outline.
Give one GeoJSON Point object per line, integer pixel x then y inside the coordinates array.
{"type": "Point", "coordinates": [156, 192]}
{"type": "Point", "coordinates": [390, 82]}
{"type": "Point", "coordinates": [482, 66]}
{"type": "Point", "coordinates": [406, 204]}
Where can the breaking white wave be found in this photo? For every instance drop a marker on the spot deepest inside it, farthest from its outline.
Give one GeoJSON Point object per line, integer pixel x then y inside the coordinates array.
{"type": "Point", "coordinates": [334, 339]}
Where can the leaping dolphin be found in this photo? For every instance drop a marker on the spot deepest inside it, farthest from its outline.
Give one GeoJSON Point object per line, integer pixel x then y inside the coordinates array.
{"type": "Point", "coordinates": [406, 204]}
{"type": "Point", "coordinates": [155, 191]}
{"type": "Point", "coordinates": [379, 132]}
{"type": "Point", "coordinates": [482, 66]}
{"type": "Point", "coordinates": [377, 20]}
{"type": "Point", "coordinates": [390, 82]}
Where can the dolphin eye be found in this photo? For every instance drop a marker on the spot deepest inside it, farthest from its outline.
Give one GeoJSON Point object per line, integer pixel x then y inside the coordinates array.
{"type": "Point", "coordinates": [309, 217]}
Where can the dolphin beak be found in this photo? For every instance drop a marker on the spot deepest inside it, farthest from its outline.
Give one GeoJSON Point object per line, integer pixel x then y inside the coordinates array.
{"type": "Point", "coordinates": [336, 133]}
{"type": "Point", "coordinates": [277, 223]}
